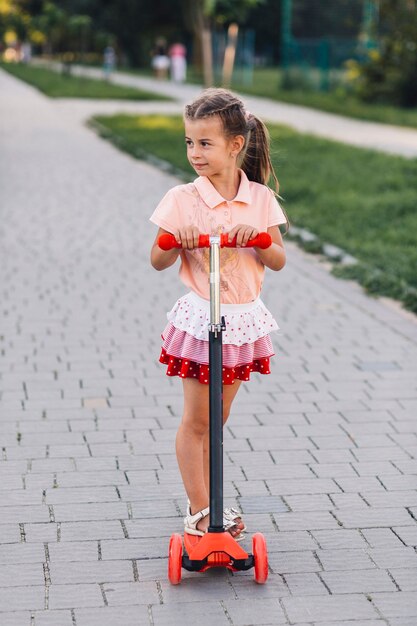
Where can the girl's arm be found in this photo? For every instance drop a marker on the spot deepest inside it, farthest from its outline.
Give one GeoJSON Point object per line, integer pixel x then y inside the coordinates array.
{"type": "Point", "coordinates": [161, 259]}
{"type": "Point", "coordinates": [274, 256]}
{"type": "Point", "coordinates": [187, 237]}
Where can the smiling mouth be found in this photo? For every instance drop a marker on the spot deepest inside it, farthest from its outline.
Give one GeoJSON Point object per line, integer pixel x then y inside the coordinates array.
{"type": "Point", "coordinates": [197, 165]}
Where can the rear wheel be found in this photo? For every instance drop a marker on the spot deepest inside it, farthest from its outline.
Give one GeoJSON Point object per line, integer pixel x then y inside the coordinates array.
{"type": "Point", "coordinates": [260, 556]}
{"type": "Point", "coordinates": [175, 559]}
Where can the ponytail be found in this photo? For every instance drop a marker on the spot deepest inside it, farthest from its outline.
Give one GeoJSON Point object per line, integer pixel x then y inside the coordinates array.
{"type": "Point", "coordinates": [256, 158]}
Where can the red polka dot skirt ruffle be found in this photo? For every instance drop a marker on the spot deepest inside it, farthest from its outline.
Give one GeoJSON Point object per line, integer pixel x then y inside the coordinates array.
{"type": "Point", "coordinates": [247, 346]}
{"type": "Point", "coordinates": [185, 368]}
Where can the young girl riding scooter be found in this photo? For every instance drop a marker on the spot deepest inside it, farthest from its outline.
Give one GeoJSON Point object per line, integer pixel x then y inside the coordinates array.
{"type": "Point", "coordinates": [228, 147]}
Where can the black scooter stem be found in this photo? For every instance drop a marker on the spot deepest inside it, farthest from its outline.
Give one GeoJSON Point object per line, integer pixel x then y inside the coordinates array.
{"type": "Point", "coordinates": [216, 432]}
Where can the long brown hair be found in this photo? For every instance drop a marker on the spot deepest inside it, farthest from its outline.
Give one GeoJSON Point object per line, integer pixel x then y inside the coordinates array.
{"type": "Point", "coordinates": [254, 159]}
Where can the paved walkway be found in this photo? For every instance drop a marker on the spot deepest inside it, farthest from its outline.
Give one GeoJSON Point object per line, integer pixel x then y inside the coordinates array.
{"type": "Point", "coordinates": [321, 455]}
{"type": "Point", "coordinates": [383, 137]}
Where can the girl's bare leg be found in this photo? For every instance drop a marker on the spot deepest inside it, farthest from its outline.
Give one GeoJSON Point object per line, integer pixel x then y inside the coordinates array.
{"type": "Point", "coordinates": [191, 437]}
{"type": "Point", "coordinates": [229, 394]}
{"type": "Point", "coordinates": [190, 441]}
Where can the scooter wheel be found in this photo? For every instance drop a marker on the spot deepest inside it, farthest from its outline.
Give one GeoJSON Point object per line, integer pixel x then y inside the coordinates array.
{"type": "Point", "coordinates": [260, 555]}
{"type": "Point", "coordinates": [175, 559]}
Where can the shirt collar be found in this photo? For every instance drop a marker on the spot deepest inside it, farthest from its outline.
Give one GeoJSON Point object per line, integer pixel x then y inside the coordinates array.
{"type": "Point", "coordinates": [211, 196]}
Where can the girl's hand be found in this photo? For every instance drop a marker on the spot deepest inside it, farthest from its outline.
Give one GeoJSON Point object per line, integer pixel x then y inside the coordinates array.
{"type": "Point", "coordinates": [187, 237]}
{"type": "Point", "coordinates": [243, 233]}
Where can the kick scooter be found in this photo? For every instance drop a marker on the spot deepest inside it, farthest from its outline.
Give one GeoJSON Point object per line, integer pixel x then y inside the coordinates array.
{"type": "Point", "coordinates": [217, 548]}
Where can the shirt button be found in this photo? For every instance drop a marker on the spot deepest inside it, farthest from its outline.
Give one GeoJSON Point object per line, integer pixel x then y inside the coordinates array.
{"type": "Point", "coordinates": [226, 212]}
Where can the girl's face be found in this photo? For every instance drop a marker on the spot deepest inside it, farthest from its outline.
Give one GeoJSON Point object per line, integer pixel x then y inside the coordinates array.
{"type": "Point", "coordinates": [209, 151]}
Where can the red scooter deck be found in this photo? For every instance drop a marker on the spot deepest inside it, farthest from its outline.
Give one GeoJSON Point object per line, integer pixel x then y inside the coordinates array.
{"type": "Point", "coordinates": [215, 550]}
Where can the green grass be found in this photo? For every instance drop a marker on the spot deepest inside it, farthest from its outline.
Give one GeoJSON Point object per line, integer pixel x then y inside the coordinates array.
{"type": "Point", "coordinates": [360, 200]}
{"type": "Point", "coordinates": [56, 85]}
{"type": "Point", "coordinates": [158, 135]}
{"type": "Point", "coordinates": [267, 83]}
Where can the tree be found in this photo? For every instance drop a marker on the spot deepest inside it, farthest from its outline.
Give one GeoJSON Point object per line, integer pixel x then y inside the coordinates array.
{"type": "Point", "coordinates": [79, 26]}
{"type": "Point", "coordinates": [390, 73]}
{"type": "Point", "coordinates": [235, 12]}
{"type": "Point", "coordinates": [52, 23]}
{"type": "Point", "coordinates": [201, 15]}
{"type": "Point", "coordinates": [14, 21]}
{"type": "Point", "coordinates": [197, 17]}
{"type": "Point", "coordinates": [131, 25]}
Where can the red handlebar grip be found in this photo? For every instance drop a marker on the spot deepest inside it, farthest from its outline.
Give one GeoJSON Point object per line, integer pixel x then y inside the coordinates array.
{"type": "Point", "coordinates": [263, 240]}
{"type": "Point", "coordinates": [167, 241]}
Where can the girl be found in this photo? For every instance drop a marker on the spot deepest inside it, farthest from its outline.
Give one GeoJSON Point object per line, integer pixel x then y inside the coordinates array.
{"type": "Point", "coordinates": [228, 147]}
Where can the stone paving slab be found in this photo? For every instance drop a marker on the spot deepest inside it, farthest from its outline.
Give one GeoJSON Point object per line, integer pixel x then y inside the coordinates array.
{"type": "Point", "coordinates": [321, 455]}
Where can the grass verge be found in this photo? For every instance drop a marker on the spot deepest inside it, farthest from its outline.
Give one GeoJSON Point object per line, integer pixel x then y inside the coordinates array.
{"type": "Point", "coordinates": [56, 85]}
{"type": "Point", "coordinates": [267, 83]}
{"type": "Point", "coordinates": [359, 200]}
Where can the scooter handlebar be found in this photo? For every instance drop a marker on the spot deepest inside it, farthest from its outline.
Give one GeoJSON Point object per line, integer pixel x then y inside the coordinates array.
{"type": "Point", "coordinates": [262, 240]}
{"type": "Point", "coordinates": [167, 241]}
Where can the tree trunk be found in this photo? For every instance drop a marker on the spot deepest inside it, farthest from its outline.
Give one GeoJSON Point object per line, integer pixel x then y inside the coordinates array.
{"type": "Point", "coordinates": [200, 24]}
{"type": "Point", "coordinates": [229, 55]}
{"type": "Point", "coordinates": [207, 57]}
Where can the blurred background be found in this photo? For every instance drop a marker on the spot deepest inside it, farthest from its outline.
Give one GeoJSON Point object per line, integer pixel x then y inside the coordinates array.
{"type": "Point", "coordinates": [348, 184]}
{"type": "Point", "coordinates": [361, 48]}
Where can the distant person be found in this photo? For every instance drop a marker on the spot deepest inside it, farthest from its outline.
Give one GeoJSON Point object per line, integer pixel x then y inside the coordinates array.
{"type": "Point", "coordinates": [109, 61]}
{"type": "Point", "coordinates": [178, 57]}
{"type": "Point", "coordinates": [26, 52]}
{"type": "Point", "coordinates": [160, 59]}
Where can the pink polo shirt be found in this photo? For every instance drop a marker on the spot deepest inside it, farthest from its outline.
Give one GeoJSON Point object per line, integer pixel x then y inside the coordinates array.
{"type": "Point", "coordinates": [200, 204]}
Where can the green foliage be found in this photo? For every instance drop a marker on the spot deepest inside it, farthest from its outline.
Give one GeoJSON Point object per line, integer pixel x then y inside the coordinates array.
{"type": "Point", "coordinates": [220, 10]}
{"type": "Point", "coordinates": [390, 74]}
{"type": "Point", "coordinates": [14, 17]}
{"type": "Point", "coordinates": [52, 23]}
{"type": "Point", "coordinates": [131, 25]}
{"type": "Point", "coordinates": [56, 85]}
{"type": "Point", "coordinates": [360, 200]}
{"type": "Point", "coordinates": [234, 10]}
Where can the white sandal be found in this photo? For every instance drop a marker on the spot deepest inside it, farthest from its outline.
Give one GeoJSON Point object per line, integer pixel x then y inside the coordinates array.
{"type": "Point", "coordinates": [229, 522]}
{"type": "Point", "coordinates": [191, 521]}
{"type": "Point", "coordinates": [233, 514]}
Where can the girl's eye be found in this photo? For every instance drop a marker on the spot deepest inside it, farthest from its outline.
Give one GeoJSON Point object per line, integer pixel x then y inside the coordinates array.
{"type": "Point", "coordinates": [188, 142]}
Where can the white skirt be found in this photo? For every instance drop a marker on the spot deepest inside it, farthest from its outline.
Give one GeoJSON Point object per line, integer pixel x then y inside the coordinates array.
{"type": "Point", "coordinates": [245, 323]}
{"type": "Point", "coordinates": [247, 345]}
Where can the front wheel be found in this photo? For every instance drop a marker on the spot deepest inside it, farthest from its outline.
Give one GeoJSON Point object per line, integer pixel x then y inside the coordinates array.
{"type": "Point", "coordinates": [175, 559]}
{"type": "Point", "coordinates": [260, 556]}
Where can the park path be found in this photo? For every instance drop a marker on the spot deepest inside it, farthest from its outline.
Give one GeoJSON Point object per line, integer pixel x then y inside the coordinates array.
{"type": "Point", "coordinates": [384, 137]}
{"type": "Point", "coordinates": [321, 455]}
